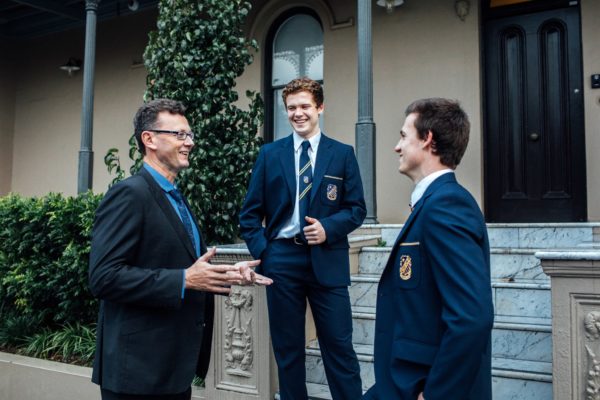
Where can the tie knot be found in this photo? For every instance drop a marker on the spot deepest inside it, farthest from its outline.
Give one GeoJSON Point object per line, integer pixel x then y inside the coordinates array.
{"type": "Point", "coordinates": [305, 145]}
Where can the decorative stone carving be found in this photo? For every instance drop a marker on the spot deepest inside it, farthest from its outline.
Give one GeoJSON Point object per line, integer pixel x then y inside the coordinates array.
{"type": "Point", "coordinates": [591, 323]}
{"type": "Point", "coordinates": [238, 344]}
{"type": "Point", "coordinates": [592, 389]}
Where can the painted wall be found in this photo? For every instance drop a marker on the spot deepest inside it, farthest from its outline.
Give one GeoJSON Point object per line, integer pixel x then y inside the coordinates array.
{"type": "Point", "coordinates": [422, 49]}
{"type": "Point", "coordinates": [7, 121]}
{"type": "Point", "coordinates": [590, 21]}
{"type": "Point", "coordinates": [429, 52]}
{"type": "Point", "coordinates": [48, 104]}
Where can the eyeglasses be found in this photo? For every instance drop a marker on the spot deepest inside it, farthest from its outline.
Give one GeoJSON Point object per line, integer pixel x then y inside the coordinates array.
{"type": "Point", "coordinates": [180, 135]}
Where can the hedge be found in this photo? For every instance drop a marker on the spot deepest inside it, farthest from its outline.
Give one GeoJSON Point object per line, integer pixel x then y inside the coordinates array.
{"type": "Point", "coordinates": [44, 251]}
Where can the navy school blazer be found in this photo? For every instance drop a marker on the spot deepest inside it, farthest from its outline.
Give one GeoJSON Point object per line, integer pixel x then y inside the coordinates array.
{"type": "Point", "coordinates": [434, 304]}
{"type": "Point", "coordinates": [337, 201]}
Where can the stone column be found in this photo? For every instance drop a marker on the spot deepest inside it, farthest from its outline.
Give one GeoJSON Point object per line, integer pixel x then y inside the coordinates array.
{"type": "Point", "coordinates": [365, 127]}
{"type": "Point", "coordinates": [575, 280]}
{"type": "Point", "coordinates": [86, 155]}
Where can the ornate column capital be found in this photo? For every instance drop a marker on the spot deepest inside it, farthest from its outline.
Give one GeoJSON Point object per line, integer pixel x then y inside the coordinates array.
{"type": "Point", "coordinates": [91, 5]}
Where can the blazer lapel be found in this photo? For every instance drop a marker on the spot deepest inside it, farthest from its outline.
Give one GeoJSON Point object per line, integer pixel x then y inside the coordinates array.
{"type": "Point", "coordinates": [288, 165]}
{"type": "Point", "coordinates": [405, 228]}
{"type": "Point", "coordinates": [449, 177]}
{"type": "Point", "coordinates": [161, 199]}
{"type": "Point", "coordinates": [324, 156]}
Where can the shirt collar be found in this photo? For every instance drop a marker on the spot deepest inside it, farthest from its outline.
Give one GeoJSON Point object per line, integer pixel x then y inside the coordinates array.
{"type": "Point", "coordinates": [424, 184]}
{"type": "Point", "coordinates": [161, 180]}
{"type": "Point", "coordinates": [314, 141]}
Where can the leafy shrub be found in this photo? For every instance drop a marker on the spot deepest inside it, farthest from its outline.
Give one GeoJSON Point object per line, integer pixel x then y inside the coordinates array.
{"type": "Point", "coordinates": [44, 251]}
{"type": "Point", "coordinates": [196, 54]}
{"type": "Point", "coordinates": [70, 343]}
{"type": "Point", "coordinates": [15, 329]}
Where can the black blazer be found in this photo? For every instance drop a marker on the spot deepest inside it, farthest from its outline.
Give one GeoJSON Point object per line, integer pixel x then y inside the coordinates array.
{"type": "Point", "coordinates": [149, 340]}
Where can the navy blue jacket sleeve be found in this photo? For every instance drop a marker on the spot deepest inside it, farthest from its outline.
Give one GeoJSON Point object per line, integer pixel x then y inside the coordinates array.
{"type": "Point", "coordinates": [253, 212]}
{"type": "Point", "coordinates": [456, 245]}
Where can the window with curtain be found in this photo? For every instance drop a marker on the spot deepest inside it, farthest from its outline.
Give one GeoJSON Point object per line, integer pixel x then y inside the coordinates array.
{"type": "Point", "coordinates": [296, 50]}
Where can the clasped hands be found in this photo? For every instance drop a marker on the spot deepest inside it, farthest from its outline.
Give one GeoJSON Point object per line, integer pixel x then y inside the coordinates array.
{"type": "Point", "coordinates": [218, 277]}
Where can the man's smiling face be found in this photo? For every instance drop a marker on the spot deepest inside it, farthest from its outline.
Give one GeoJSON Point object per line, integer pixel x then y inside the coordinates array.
{"type": "Point", "coordinates": [303, 113]}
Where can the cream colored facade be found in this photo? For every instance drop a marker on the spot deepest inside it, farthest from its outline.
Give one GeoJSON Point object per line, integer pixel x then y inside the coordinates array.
{"type": "Point", "coordinates": [420, 50]}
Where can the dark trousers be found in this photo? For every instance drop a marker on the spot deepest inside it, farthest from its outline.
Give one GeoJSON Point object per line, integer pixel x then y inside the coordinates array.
{"type": "Point", "coordinates": [289, 266]}
{"type": "Point", "coordinates": [108, 395]}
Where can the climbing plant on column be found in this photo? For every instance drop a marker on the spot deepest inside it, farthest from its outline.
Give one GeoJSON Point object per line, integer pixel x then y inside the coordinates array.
{"type": "Point", "coordinates": [195, 55]}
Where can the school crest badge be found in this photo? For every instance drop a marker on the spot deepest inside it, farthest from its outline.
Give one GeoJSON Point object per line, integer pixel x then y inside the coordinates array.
{"type": "Point", "coordinates": [405, 267]}
{"type": "Point", "coordinates": [332, 192]}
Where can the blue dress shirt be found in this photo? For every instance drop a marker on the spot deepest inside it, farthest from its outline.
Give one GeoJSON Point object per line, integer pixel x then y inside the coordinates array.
{"type": "Point", "coordinates": [167, 186]}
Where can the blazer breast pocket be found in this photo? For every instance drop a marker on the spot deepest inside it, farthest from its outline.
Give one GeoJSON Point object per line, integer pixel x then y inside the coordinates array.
{"type": "Point", "coordinates": [331, 190]}
{"type": "Point", "coordinates": [407, 265]}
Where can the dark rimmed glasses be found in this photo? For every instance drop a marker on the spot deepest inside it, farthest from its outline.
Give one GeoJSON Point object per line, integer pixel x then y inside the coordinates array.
{"type": "Point", "coordinates": [180, 135]}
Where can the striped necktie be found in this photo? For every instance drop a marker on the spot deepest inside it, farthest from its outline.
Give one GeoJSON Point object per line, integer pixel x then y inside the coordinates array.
{"type": "Point", "coordinates": [304, 184]}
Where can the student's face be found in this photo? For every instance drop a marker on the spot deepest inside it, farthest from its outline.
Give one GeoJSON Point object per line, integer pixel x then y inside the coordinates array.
{"type": "Point", "coordinates": [411, 149]}
{"type": "Point", "coordinates": [303, 113]}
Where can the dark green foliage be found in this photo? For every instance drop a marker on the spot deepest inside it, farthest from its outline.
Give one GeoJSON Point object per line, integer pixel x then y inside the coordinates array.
{"type": "Point", "coordinates": [195, 56]}
{"type": "Point", "coordinates": [113, 164]}
{"type": "Point", "coordinates": [15, 329]}
{"type": "Point", "coordinates": [70, 343]}
{"type": "Point", "coordinates": [44, 250]}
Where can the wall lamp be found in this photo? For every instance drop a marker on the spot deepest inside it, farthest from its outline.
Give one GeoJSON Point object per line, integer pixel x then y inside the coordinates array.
{"type": "Point", "coordinates": [389, 4]}
{"type": "Point", "coordinates": [72, 66]}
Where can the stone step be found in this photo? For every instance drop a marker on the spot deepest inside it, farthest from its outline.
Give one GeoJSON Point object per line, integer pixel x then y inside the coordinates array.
{"type": "Point", "coordinates": [503, 388]}
{"type": "Point", "coordinates": [506, 263]}
{"type": "Point", "coordinates": [522, 299]}
{"type": "Point", "coordinates": [521, 235]}
{"type": "Point", "coordinates": [511, 379]}
{"type": "Point", "coordinates": [527, 339]}
{"type": "Point", "coordinates": [526, 298]}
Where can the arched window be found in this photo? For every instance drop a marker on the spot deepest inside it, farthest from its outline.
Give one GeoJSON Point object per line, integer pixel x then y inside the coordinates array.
{"type": "Point", "coordinates": [295, 49]}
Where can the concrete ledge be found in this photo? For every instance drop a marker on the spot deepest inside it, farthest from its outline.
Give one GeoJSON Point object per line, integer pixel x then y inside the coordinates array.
{"type": "Point", "coordinates": [32, 379]}
{"type": "Point", "coordinates": [27, 378]}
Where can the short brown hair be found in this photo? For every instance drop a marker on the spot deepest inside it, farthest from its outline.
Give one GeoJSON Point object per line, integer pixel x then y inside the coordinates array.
{"type": "Point", "coordinates": [304, 84]}
{"type": "Point", "coordinates": [449, 125]}
{"type": "Point", "coordinates": [145, 118]}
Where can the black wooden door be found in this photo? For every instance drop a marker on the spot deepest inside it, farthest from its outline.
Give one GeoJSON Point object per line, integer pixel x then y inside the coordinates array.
{"type": "Point", "coordinates": [534, 128]}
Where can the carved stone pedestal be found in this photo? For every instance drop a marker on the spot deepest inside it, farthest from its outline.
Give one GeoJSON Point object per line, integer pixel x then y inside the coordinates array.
{"type": "Point", "coordinates": [242, 364]}
{"type": "Point", "coordinates": [575, 280]}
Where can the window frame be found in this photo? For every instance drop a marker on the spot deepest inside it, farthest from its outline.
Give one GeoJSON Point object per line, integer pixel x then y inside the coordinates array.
{"type": "Point", "coordinates": [268, 89]}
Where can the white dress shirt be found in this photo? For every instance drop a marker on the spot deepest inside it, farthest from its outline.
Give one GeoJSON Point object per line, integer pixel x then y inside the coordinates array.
{"type": "Point", "coordinates": [292, 227]}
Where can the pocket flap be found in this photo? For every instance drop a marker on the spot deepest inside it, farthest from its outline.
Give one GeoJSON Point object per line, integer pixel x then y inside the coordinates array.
{"type": "Point", "coordinates": [411, 350]}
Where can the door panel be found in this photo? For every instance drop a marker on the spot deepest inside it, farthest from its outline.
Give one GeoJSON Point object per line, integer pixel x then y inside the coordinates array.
{"type": "Point", "coordinates": [535, 150]}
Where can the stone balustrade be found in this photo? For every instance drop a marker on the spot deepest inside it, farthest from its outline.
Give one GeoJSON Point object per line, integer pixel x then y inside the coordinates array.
{"type": "Point", "coordinates": [575, 282]}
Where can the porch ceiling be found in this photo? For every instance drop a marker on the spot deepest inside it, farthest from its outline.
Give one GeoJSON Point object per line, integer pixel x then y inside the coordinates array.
{"type": "Point", "coordinates": [32, 18]}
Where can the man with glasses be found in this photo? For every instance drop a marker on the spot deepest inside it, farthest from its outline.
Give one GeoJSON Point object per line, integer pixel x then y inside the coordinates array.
{"type": "Point", "coordinates": [150, 268]}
